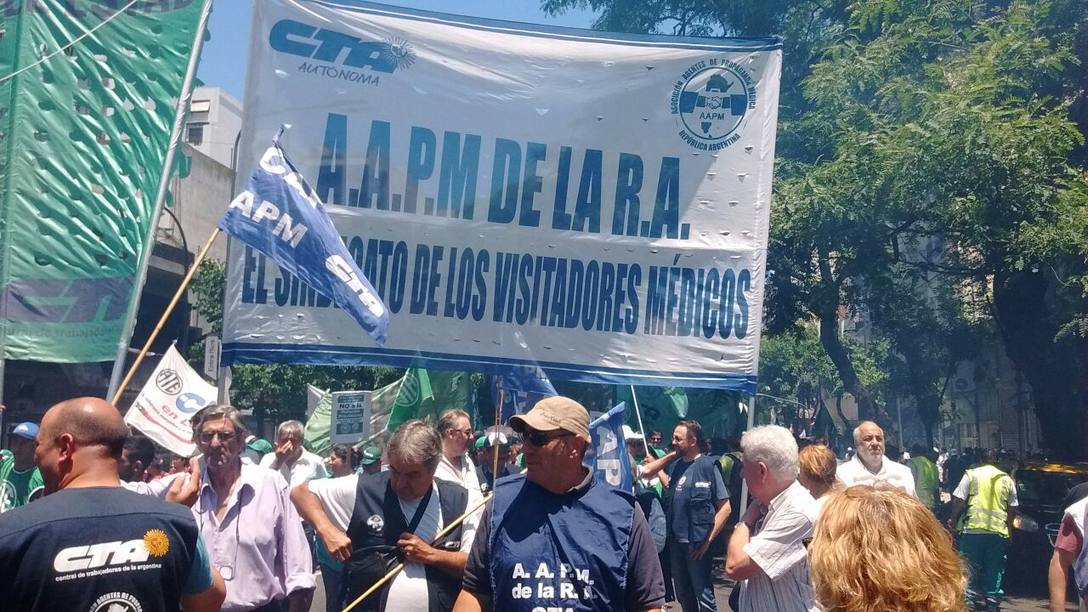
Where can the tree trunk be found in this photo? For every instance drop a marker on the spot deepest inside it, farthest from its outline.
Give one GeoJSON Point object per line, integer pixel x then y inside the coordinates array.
{"type": "Point", "coordinates": [1028, 320]}
{"type": "Point", "coordinates": [836, 351]}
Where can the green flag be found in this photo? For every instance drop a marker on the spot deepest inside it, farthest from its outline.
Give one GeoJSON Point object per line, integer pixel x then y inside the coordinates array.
{"type": "Point", "coordinates": [83, 138]}
{"type": "Point", "coordinates": [319, 424]}
{"type": "Point", "coordinates": [426, 394]}
{"type": "Point", "coordinates": [663, 407]}
{"type": "Point", "coordinates": [315, 437]}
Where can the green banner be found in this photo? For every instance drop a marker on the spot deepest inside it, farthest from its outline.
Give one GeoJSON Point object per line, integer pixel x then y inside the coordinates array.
{"type": "Point", "coordinates": [426, 394]}
{"type": "Point", "coordinates": [83, 136]}
{"type": "Point", "coordinates": [662, 407]}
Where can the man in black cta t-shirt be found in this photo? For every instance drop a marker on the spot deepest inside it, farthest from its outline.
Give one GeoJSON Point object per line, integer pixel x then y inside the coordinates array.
{"type": "Point", "coordinates": [89, 544]}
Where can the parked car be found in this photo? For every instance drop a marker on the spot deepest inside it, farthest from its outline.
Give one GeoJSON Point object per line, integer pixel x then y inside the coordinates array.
{"type": "Point", "coordinates": [1043, 491]}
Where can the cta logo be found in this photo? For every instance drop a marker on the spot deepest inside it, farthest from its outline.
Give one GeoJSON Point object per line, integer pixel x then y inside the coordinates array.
{"type": "Point", "coordinates": [711, 100]}
{"type": "Point", "coordinates": [323, 45]}
{"type": "Point", "coordinates": [94, 556]}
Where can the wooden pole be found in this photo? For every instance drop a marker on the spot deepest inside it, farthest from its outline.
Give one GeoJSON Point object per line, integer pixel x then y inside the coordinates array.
{"type": "Point", "coordinates": [398, 567]}
{"type": "Point", "coordinates": [166, 314]}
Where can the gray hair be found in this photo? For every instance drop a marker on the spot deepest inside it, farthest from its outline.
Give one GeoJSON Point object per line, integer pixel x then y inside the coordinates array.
{"type": "Point", "coordinates": [416, 442]}
{"type": "Point", "coordinates": [448, 421]}
{"type": "Point", "coordinates": [857, 431]}
{"type": "Point", "coordinates": [215, 412]}
{"type": "Point", "coordinates": [290, 429]}
{"type": "Point", "coordinates": [773, 446]}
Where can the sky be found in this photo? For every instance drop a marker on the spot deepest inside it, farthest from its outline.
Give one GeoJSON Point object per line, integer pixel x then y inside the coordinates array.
{"type": "Point", "coordinates": [223, 60]}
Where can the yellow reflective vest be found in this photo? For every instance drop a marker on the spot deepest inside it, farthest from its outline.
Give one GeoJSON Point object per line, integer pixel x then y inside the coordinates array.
{"type": "Point", "coordinates": [988, 495]}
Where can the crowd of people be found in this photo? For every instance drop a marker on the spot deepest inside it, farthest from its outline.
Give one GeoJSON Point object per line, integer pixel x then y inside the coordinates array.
{"type": "Point", "coordinates": [440, 517]}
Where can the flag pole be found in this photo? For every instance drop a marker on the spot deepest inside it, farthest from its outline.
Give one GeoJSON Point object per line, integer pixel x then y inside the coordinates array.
{"type": "Point", "coordinates": [160, 200]}
{"type": "Point", "coordinates": [641, 427]}
{"type": "Point", "coordinates": [166, 315]}
{"type": "Point", "coordinates": [398, 567]}
{"type": "Point", "coordinates": [751, 424]}
{"type": "Point", "coordinates": [495, 448]}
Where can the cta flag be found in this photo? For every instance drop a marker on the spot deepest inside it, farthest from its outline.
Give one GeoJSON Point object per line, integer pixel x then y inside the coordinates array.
{"type": "Point", "coordinates": [279, 215]}
{"type": "Point", "coordinates": [84, 138]}
{"type": "Point", "coordinates": [607, 453]}
{"type": "Point", "coordinates": [173, 394]}
{"type": "Point", "coordinates": [519, 388]}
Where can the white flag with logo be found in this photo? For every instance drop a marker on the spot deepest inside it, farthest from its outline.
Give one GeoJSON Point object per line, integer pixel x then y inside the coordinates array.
{"type": "Point", "coordinates": [173, 394]}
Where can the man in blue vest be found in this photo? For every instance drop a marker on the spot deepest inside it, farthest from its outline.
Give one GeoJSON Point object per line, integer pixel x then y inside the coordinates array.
{"type": "Point", "coordinates": [556, 538]}
{"type": "Point", "coordinates": [697, 506]}
{"type": "Point", "coordinates": [371, 521]}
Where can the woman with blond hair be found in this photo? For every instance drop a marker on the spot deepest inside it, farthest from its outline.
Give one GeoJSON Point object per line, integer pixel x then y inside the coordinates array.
{"type": "Point", "coordinates": [817, 472]}
{"type": "Point", "coordinates": [881, 550]}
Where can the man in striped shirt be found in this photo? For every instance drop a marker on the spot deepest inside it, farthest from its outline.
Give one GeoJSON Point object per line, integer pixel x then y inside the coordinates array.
{"type": "Point", "coordinates": [767, 550]}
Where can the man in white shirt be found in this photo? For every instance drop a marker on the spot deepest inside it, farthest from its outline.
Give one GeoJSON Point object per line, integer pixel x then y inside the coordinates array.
{"type": "Point", "coordinates": [296, 464]}
{"type": "Point", "coordinates": [767, 549]}
{"type": "Point", "coordinates": [869, 466]}
{"type": "Point", "coordinates": [364, 518]}
{"type": "Point", "coordinates": [456, 466]}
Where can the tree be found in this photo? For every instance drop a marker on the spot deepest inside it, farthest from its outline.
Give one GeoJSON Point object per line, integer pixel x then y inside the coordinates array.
{"type": "Point", "coordinates": [948, 123]}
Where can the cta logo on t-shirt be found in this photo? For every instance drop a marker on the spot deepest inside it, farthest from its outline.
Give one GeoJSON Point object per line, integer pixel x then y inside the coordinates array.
{"type": "Point", "coordinates": [90, 560]}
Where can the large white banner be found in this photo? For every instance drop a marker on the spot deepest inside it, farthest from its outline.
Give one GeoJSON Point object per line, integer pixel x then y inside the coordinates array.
{"type": "Point", "coordinates": [590, 203]}
{"type": "Point", "coordinates": [173, 394]}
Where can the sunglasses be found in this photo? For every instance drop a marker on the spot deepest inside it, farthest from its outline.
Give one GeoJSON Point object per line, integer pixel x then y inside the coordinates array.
{"type": "Point", "coordinates": [206, 437]}
{"type": "Point", "coordinates": [540, 438]}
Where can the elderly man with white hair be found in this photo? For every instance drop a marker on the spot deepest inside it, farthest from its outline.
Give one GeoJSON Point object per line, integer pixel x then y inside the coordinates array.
{"type": "Point", "coordinates": [767, 550]}
{"type": "Point", "coordinates": [296, 464]}
{"type": "Point", "coordinates": [869, 466]}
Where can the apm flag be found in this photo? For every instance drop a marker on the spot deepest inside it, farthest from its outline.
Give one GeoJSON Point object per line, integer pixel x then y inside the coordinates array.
{"type": "Point", "coordinates": [607, 452]}
{"type": "Point", "coordinates": [518, 388]}
{"type": "Point", "coordinates": [279, 215]}
{"type": "Point", "coordinates": [590, 203]}
{"type": "Point", "coordinates": [173, 394]}
{"type": "Point", "coordinates": [83, 138]}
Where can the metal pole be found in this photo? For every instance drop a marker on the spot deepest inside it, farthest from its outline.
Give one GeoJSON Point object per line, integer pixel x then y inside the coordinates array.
{"type": "Point", "coordinates": [160, 199]}
{"type": "Point", "coordinates": [899, 417]}
{"type": "Point", "coordinates": [641, 427]}
{"type": "Point", "coordinates": [3, 408]}
{"type": "Point", "coordinates": [743, 484]}
{"type": "Point", "coordinates": [221, 382]}
{"type": "Point", "coordinates": [494, 446]}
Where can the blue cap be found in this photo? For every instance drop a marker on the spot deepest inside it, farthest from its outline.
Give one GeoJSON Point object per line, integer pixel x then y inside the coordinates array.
{"type": "Point", "coordinates": [26, 430]}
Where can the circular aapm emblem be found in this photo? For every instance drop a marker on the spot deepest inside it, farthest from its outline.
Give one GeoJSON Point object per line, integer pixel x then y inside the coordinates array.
{"type": "Point", "coordinates": [116, 602]}
{"type": "Point", "coordinates": [711, 100]}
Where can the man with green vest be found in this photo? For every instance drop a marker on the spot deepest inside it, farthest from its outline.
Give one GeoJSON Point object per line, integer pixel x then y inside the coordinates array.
{"type": "Point", "coordinates": [989, 497]}
{"type": "Point", "coordinates": [20, 480]}
{"type": "Point", "coordinates": [925, 477]}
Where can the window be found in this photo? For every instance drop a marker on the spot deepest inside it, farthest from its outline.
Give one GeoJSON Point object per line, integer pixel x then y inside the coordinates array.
{"type": "Point", "coordinates": [195, 135]}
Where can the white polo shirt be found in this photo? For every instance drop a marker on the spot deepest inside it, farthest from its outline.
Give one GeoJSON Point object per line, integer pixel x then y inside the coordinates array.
{"type": "Point", "coordinates": [854, 472]}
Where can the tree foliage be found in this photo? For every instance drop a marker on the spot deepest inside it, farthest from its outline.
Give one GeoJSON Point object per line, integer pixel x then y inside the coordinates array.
{"type": "Point", "coordinates": [930, 178]}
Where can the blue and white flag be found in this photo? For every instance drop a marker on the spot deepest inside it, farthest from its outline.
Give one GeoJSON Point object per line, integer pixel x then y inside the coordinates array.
{"type": "Point", "coordinates": [279, 215]}
{"type": "Point", "coordinates": [519, 388]}
{"type": "Point", "coordinates": [607, 453]}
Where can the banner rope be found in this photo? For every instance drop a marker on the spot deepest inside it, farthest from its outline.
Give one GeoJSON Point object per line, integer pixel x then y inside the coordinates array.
{"type": "Point", "coordinates": [75, 41]}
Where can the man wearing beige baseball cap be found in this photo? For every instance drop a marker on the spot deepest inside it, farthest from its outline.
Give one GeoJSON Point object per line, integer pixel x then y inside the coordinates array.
{"type": "Point", "coordinates": [556, 538]}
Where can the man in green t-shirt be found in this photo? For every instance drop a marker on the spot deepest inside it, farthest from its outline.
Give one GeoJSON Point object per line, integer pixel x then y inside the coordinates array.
{"type": "Point", "coordinates": [20, 480]}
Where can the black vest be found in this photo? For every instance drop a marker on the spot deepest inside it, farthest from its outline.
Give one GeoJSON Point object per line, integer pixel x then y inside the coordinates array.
{"type": "Point", "coordinates": [376, 524]}
{"type": "Point", "coordinates": [700, 499]}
